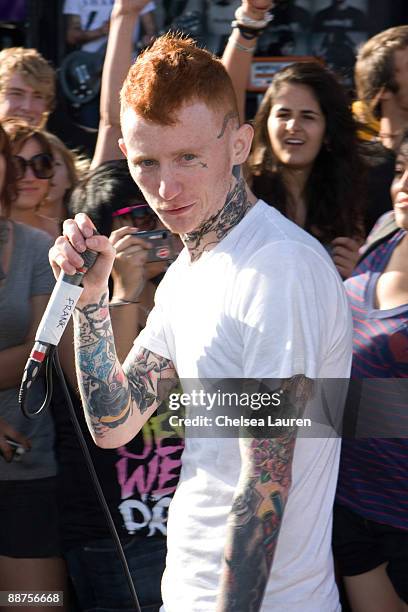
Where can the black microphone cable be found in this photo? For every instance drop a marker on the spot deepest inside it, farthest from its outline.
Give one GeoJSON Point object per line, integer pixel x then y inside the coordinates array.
{"type": "Point", "coordinates": [41, 360]}
{"type": "Point", "coordinates": [96, 483]}
{"type": "Point", "coordinates": [61, 305]}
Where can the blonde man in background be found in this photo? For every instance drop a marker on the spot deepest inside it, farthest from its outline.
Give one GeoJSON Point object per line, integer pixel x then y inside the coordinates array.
{"type": "Point", "coordinates": [27, 86]}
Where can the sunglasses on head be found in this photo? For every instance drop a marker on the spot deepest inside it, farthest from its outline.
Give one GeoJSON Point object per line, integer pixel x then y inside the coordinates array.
{"type": "Point", "coordinates": [41, 165]}
{"type": "Point", "coordinates": [142, 215]}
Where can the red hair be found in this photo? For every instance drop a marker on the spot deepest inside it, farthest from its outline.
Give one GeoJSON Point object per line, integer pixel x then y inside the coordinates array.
{"type": "Point", "coordinates": [171, 73]}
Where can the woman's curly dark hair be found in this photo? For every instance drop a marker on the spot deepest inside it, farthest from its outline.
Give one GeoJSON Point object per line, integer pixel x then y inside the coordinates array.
{"type": "Point", "coordinates": [334, 187]}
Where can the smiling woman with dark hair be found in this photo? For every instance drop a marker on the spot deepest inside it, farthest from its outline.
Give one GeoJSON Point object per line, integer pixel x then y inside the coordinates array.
{"type": "Point", "coordinates": [323, 163]}
{"type": "Point", "coordinates": [305, 160]}
{"type": "Point", "coordinates": [33, 169]}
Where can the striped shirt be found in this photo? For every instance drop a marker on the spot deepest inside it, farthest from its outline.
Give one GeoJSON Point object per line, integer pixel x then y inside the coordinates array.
{"type": "Point", "coordinates": [373, 478]}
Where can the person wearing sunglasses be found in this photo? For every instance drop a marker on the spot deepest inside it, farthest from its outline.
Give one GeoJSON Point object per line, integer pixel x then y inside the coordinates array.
{"type": "Point", "coordinates": [34, 168]}
{"type": "Point", "coordinates": [138, 215]}
{"type": "Point", "coordinates": [29, 539]}
{"type": "Point", "coordinates": [69, 167]}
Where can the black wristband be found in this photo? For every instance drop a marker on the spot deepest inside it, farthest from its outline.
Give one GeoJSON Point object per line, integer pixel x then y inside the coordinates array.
{"type": "Point", "coordinates": [249, 33]}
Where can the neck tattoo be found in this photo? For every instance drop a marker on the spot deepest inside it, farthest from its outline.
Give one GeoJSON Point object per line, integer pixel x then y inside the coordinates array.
{"type": "Point", "coordinates": [221, 223]}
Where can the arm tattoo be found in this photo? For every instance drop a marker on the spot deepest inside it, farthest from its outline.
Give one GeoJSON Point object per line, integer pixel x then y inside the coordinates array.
{"type": "Point", "coordinates": [256, 515]}
{"type": "Point", "coordinates": [141, 381]}
{"type": "Point", "coordinates": [221, 223]}
{"type": "Point", "coordinates": [230, 115]}
{"type": "Point", "coordinates": [110, 393]}
{"type": "Point", "coordinates": [254, 524]}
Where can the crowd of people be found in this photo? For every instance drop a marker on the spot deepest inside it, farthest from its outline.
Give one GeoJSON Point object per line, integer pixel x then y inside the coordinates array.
{"type": "Point", "coordinates": [289, 235]}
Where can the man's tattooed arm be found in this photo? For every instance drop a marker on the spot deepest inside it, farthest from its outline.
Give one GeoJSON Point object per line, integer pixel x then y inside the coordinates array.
{"type": "Point", "coordinates": [256, 514]}
{"type": "Point", "coordinates": [117, 400]}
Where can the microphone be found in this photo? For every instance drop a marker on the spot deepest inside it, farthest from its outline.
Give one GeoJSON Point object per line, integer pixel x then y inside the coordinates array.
{"type": "Point", "coordinates": [61, 305]}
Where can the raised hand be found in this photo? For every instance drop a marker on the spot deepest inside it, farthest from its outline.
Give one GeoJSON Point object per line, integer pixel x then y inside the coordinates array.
{"type": "Point", "coordinates": [128, 7]}
{"type": "Point", "coordinates": [128, 271]}
{"type": "Point", "coordinates": [78, 235]}
{"type": "Point", "coordinates": [345, 254]}
{"type": "Point", "coordinates": [256, 9]}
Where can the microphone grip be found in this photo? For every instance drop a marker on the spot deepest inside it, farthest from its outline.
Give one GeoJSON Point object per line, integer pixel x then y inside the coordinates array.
{"type": "Point", "coordinates": [89, 258]}
{"type": "Point", "coordinates": [61, 305]}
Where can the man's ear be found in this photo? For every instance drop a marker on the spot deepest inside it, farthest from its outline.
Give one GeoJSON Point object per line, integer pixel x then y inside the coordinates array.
{"type": "Point", "coordinates": [122, 146]}
{"type": "Point", "coordinates": [241, 145]}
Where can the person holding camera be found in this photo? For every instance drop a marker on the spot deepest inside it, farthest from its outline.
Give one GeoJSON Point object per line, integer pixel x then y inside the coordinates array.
{"type": "Point", "coordinates": [138, 479]}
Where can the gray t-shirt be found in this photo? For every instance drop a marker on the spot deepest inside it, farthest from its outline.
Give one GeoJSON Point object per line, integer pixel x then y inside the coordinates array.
{"type": "Point", "coordinates": [29, 275]}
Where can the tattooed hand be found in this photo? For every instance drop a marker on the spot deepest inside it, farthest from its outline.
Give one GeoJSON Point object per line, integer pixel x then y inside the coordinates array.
{"type": "Point", "coordinates": [65, 255]}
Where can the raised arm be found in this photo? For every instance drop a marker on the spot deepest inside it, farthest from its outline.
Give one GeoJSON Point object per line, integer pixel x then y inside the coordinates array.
{"type": "Point", "coordinates": [117, 400]}
{"type": "Point", "coordinates": [128, 275]}
{"type": "Point", "coordinates": [117, 62]}
{"type": "Point", "coordinates": [240, 48]}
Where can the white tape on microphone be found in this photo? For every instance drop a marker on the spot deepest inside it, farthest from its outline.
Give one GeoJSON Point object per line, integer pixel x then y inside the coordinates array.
{"type": "Point", "coordinates": [58, 312]}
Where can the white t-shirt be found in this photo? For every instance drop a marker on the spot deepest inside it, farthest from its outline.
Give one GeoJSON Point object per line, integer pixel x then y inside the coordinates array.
{"type": "Point", "coordinates": [102, 10]}
{"type": "Point", "coordinates": [266, 302]}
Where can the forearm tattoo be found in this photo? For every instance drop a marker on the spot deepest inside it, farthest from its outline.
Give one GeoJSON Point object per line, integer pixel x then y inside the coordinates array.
{"type": "Point", "coordinates": [256, 514]}
{"type": "Point", "coordinates": [254, 525]}
{"type": "Point", "coordinates": [110, 393]}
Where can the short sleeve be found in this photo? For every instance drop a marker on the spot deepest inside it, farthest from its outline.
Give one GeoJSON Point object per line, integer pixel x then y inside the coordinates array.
{"type": "Point", "coordinates": [286, 294]}
{"type": "Point", "coordinates": [154, 336]}
{"type": "Point", "coordinates": [42, 281]}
